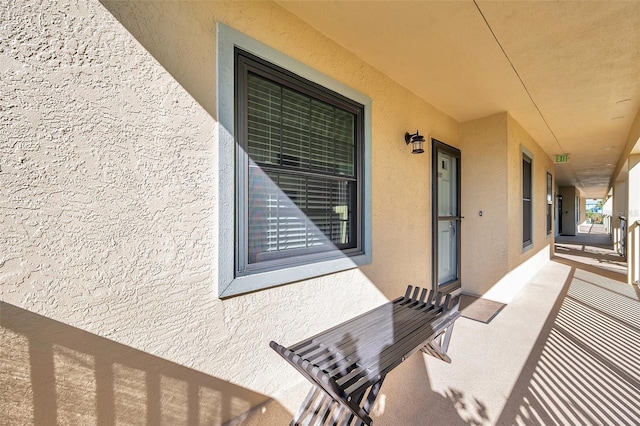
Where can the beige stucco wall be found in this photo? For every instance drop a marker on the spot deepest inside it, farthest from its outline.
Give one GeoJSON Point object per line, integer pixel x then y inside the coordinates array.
{"type": "Point", "coordinates": [492, 182]}
{"type": "Point", "coordinates": [108, 209]}
{"type": "Point", "coordinates": [632, 146]}
{"type": "Point", "coordinates": [484, 182]}
{"type": "Point", "coordinates": [518, 139]}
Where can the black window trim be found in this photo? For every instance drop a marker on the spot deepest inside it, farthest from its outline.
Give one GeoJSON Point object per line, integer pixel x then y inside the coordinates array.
{"type": "Point", "coordinates": [527, 158]}
{"type": "Point", "coordinates": [244, 63]}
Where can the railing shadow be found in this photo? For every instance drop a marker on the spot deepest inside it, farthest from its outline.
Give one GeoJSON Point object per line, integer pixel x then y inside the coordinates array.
{"type": "Point", "coordinates": [598, 270]}
{"type": "Point", "coordinates": [595, 254]}
{"type": "Point", "coordinates": [52, 373]}
{"type": "Point", "coordinates": [604, 257]}
{"type": "Point", "coordinates": [583, 367]}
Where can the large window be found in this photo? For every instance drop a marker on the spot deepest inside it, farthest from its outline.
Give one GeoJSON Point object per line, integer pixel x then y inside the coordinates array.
{"type": "Point", "coordinates": [298, 180]}
{"type": "Point", "coordinates": [294, 169]}
{"type": "Point", "coordinates": [527, 201]}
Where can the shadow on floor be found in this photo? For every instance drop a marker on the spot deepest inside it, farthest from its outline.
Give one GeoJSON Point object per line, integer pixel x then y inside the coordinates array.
{"type": "Point", "coordinates": [591, 249]}
{"type": "Point", "coordinates": [52, 373]}
{"type": "Point", "coordinates": [409, 400]}
{"type": "Point", "coordinates": [583, 368]}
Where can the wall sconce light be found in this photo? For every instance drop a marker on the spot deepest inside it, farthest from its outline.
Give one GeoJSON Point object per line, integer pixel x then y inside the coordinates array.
{"type": "Point", "coordinates": [417, 140]}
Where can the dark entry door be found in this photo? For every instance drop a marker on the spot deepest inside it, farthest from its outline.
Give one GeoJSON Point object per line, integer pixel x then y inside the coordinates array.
{"type": "Point", "coordinates": [446, 216]}
{"type": "Point", "coordinates": [559, 207]}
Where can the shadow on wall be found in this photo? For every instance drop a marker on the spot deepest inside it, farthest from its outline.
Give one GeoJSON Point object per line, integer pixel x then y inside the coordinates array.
{"type": "Point", "coordinates": [51, 373]}
{"type": "Point", "coordinates": [180, 36]}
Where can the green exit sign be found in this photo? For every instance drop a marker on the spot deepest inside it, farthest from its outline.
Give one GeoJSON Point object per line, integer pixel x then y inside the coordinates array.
{"type": "Point", "coordinates": [561, 158]}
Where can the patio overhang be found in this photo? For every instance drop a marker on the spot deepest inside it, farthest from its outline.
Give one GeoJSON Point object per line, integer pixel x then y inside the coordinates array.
{"type": "Point", "coordinates": [567, 72]}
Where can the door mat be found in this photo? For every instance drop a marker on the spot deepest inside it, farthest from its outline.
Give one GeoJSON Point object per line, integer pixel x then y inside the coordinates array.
{"type": "Point", "coordinates": [479, 309]}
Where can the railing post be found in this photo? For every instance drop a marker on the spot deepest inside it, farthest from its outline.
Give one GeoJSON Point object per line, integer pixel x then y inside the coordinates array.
{"type": "Point", "coordinates": [623, 237]}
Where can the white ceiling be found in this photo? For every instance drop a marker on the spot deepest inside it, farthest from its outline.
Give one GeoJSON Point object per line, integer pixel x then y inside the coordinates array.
{"type": "Point", "coordinates": [568, 72]}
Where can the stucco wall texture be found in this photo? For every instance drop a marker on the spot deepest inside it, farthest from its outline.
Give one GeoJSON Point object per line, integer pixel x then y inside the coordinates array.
{"type": "Point", "coordinates": [108, 200]}
{"type": "Point", "coordinates": [485, 242]}
{"type": "Point", "coordinates": [108, 207]}
{"type": "Point", "coordinates": [492, 243]}
{"type": "Point", "coordinates": [518, 139]}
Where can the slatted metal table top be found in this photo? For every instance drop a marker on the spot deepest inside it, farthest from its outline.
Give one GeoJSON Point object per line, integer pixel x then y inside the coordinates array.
{"type": "Point", "coordinates": [350, 360]}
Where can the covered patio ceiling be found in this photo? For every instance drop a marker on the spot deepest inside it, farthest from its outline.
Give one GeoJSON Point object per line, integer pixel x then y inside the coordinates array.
{"type": "Point", "coordinates": [568, 72]}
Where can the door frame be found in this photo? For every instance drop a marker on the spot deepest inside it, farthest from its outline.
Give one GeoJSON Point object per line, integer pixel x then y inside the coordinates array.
{"type": "Point", "coordinates": [453, 285]}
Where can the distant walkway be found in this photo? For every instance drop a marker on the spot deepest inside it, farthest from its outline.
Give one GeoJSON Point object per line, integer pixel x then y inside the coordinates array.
{"type": "Point", "coordinates": [592, 235]}
{"type": "Point", "coordinates": [564, 352]}
{"type": "Point", "coordinates": [592, 246]}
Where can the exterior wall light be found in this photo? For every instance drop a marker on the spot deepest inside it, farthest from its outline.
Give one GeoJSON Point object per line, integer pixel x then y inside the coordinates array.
{"type": "Point", "coordinates": [417, 140]}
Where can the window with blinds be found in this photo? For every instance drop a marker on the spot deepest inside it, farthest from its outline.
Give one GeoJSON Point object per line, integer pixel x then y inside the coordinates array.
{"type": "Point", "coordinates": [298, 169]}
{"type": "Point", "coordinates": [527, 201]}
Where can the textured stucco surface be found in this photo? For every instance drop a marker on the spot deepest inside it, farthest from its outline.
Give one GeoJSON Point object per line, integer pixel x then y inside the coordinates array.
{"type": "Point", "coordinates": [106, 186]}
{"type": "Point", "coordinates": [485, 243]}
{"type": "Point", "coordinates": [518, 139]}
{"type": "Point", "coordinates": [493, 257]}
{"type": "Point", "coordinates": [108, 200]}
{"type": "Point", "coordinates": [108, 209]}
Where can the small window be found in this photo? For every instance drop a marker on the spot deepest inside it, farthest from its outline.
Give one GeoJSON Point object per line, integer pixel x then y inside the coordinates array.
{"type": "Point", "coordinates": [527, 200]}
{"type": "Point", "coordinates": [549, 203]}
{"type": "Point", "coordinates": [298, 170]}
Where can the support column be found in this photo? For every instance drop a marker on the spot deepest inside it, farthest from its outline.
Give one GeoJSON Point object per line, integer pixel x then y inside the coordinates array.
{"type": "Point", "coordinates": [619, 209]}
{"type": "Point", "coordinates": [633, 214]}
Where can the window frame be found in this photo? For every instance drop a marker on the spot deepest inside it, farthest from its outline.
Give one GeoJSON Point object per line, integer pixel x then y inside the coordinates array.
{"type": "Point", "coordinates": [229, 282]}
{"type": "Point", "coordinates": [526, 157]}
{"type": "Point", "coordinates": [246, 63]}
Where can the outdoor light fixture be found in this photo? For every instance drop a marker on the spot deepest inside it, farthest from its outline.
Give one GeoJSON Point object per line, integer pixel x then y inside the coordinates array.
{"type": "Point", "coordinates": [417, 140]}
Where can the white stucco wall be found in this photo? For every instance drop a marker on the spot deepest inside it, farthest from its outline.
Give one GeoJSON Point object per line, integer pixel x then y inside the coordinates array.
{"type": "Point", "coordinates": [633, 232]}
{"type": "Point", "coordinates": [619, 209]}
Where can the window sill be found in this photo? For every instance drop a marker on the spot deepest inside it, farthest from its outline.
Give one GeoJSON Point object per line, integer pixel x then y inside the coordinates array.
{"type": "Point", "coordinates": [264, 280]}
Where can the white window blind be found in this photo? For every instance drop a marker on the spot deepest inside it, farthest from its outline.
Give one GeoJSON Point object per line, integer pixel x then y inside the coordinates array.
{"type": "Point", "coordinates": [302, 182]}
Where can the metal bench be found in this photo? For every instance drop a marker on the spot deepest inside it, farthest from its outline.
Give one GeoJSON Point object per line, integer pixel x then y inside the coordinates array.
{"type": "Point", "coordinates": [348, 363]}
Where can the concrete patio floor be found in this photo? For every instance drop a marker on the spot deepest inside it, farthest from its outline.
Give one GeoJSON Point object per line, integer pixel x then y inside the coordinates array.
{"type": "Point", "coordinates": [566, 351]}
